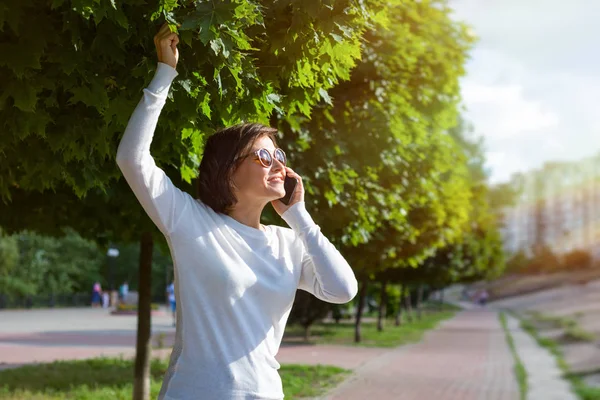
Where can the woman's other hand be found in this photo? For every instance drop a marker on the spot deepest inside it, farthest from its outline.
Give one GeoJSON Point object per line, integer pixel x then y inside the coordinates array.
{"type": "Point", "coordinates": [166, 46]}
{"type": "Point", "coordinates": [297, 197]}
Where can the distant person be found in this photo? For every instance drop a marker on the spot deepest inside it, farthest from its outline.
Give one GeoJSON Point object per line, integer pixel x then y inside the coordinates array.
{"type": "Point", "coordinates": [236, 278]}
{"type": "Point", "coordinates": [123, 291]}
{"type": "Point", "coordinates": [96, 295]}
{"type": "Point", "coordinates": [105, 299]}
{"type": "Point", "coordinates": [483, 297]}
{"type": "Point", "coordinates": [172, 302]}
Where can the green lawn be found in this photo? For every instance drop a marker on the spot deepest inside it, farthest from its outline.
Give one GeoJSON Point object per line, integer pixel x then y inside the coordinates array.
{"type": "Point", "coordinates": [111, 378]}
{"type": "Point", "coordinates": [392, 336]}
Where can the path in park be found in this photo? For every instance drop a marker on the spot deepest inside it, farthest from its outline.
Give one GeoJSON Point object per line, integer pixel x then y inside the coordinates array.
{"type": "Point", "coordinates": [34, 336]}
{"type": "Point", "coordinates": [466, 358]}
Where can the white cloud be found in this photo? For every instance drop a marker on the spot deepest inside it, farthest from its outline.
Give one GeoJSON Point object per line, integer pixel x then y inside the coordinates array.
{"type": "Point", "coordinates": [533, 81]}
{"type": "Point", "coordinates": [504, 110]}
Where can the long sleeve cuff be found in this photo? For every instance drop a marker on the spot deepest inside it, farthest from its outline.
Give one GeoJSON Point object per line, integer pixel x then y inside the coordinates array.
{"type": "Point", "coordinates": [297, 217]}
{"type": "Point", "coordinates": [163, 77]}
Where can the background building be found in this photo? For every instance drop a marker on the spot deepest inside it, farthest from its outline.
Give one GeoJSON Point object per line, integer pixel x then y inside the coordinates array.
{"type": "Point", "coordinates": [557, 206]}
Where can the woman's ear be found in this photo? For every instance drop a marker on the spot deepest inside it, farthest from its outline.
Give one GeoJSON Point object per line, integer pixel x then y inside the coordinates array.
{"type": "Point", "coordinates": [232, 184]}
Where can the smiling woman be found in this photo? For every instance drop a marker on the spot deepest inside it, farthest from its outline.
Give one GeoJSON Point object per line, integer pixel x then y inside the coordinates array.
{"type": "Point", "coordinates": [228, 175]}
{"type": "Point", "coordinates": [235, 279]}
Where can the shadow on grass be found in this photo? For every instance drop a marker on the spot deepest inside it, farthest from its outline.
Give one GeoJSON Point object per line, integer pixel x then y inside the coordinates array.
{"type": "Point", "coordinates": [64, 376]}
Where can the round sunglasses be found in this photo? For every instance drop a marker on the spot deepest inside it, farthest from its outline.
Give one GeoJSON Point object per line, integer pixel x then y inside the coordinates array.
{"type": "Point", "coordinates": [265, 158]}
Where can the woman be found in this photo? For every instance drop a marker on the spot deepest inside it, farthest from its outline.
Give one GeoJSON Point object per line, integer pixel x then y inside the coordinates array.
{"type": "Point", "coordinates": [235, 279]}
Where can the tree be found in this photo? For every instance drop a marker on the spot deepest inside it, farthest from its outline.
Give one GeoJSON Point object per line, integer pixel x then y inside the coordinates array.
{"type": "Point", "coordinates": [88, 61]}
{"type": "Point", "coordinates": [9, 260]}
{"type": "Point", "coordinates": [68, 98]}
{"type": "Point", "coordinates": [47, 266]}
{"type": "Point", "coordinates": [376, 162]}
{"type": "Point", "coordinates": [307, 310]}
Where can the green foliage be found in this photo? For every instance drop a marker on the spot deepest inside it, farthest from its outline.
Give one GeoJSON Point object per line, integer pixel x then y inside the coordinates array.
{"type": "Point", "coordinates": [475, 251]}
{"type": "Point", "coordinates": [381, 173]}
{"type": "Point", "coordinates": [35, 264]}
{"type": "Point", "coordinates": [364, 93]}
{"type": "Point", "coordinates": [9, 261]}
{"type": "Point", "coordinates": [393, 300]}
{"type": "Point", "coordinates": [67, 99]}
{"type": "Point", "coordinates": [46, 265]}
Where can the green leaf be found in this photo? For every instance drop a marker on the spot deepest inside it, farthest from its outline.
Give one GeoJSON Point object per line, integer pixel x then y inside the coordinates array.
{"type": "Point", "coordinates": [205, 105]}
{"type": "Point", "coordinates": [325, 96]}
{"type": "Point", "coordinates": [206, 34]}
{"type": "Point", "coordinates": [25, 98]}
{"type": "Point", "coordinates": [216, 45]}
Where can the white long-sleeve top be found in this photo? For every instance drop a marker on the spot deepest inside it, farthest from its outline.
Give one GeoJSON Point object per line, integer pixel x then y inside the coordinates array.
{"type": "Point", "coordinates": [234, 284]}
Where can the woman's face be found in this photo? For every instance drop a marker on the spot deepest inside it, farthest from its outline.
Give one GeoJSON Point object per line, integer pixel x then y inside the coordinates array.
{"type": "Point", "coordinates": [254, 182]}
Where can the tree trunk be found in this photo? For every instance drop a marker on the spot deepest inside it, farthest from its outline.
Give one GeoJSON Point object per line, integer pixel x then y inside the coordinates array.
{"type": "Point", "coordinates": [398, 320]}
{"type": "Point", "coordinates": [382, 304]}
{"type": "Point", "coordinates": [441, 303]}
{"type": "Point", "coordinates": [408, 304]}
{"type": "Point", "coordinates": [361, 304]}
{"type": "Point", "coordinates": [141, 385]}
{"type": "Point", "coordinates": [419, 300]}
{"type": "Point", "coordinates": [306, 332]}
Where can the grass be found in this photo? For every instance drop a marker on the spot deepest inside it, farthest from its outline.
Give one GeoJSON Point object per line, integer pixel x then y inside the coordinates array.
{"type": "Point", "coordinates": [572, 332]}
{"type": "Point", "coordinates": [584, 391]}
{"type": "Point", "coordinates": [520, 371]}
{"type": "Point", "coordinates": [580, 388]}
{"type": "Point", "coordinates": [391, 336]}
{"type": "Point", "coordinates": [578, 334]}
{"type": "Point", "coordinates": [553, 320]}
{"type": "Point", "coordinates": [112, 378]}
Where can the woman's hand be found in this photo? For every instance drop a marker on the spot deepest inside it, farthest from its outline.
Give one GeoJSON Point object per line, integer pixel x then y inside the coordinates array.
{"type": "Point", "coordinates": [166, 46]}
{"type": "Point", "coordinates": [297, 197]}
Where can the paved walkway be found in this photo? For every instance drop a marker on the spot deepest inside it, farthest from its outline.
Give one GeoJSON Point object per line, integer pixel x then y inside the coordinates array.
{"type": "Point", "coordinates": [466, 358]}
{"type": "Point", "coordinates": [544, 378]}
{"type": "Point", "coordinates": [35, 336]}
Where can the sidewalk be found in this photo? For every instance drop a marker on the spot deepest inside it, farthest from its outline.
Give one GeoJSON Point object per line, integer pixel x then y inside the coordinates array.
{"type": "Point", "coordinates": [466, 358]}
{"type": "Point", "coordinates": [37, 336]}
{"type": "Point", "coordinates": [544, 378]}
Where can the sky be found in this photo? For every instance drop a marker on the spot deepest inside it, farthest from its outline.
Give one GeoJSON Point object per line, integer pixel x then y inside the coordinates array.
{"type": "Point", "coordinates": [532, 87]}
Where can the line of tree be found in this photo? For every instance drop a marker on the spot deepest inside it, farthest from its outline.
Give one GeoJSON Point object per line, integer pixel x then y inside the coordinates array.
{"type": "Point", "coordinates": [365, 96]}
{"type": "Point", "coordinates": [45, 271]}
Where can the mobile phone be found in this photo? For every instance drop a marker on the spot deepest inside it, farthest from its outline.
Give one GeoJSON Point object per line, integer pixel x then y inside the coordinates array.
{"type": "Point", "coordinates": [289, 184]}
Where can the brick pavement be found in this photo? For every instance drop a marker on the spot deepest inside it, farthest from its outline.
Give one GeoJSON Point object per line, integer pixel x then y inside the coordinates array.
{"type": "Point", "coordinates": [36, 336]}
{"type": "Point", "coordinates": [466, 358]}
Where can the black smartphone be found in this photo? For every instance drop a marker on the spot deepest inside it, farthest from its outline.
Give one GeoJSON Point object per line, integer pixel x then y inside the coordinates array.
{"type": "Point", "coordinates": [289, 185]}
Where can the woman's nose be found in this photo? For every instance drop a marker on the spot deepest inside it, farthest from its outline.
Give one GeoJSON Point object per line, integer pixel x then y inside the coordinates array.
{"type": "Point", "coordinates": [277, 165]}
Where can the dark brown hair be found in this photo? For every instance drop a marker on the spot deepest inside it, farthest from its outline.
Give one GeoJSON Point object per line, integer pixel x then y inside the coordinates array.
{"type": "Point", "coordinates": [220, 160]}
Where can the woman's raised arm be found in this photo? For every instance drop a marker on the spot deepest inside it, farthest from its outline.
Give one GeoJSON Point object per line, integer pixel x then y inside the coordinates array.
{"type": "Point", "coordinates": [163, 202]}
